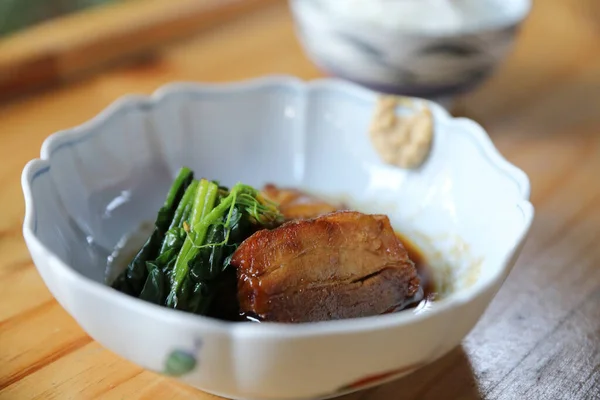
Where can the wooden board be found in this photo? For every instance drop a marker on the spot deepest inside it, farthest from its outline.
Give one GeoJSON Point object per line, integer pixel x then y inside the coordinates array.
{"type": "Point", "coordinates": [540, 337]}
{"type": "Point", "coordinates": [67, 47]}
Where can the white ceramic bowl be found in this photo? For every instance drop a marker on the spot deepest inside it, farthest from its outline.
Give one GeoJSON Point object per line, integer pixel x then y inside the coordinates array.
{"type": "Point", "coordinates": [466, 208]}
{"type": "Point", "coordinates": [425, 48]}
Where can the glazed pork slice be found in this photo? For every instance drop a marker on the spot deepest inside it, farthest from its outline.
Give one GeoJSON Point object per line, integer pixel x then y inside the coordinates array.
{"type": "Point", "coordinates": [341, 265]}
{"type": "Point", "coordinates": [295, 204]}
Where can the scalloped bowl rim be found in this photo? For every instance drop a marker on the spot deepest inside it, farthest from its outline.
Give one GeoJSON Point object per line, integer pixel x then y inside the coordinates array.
{"type": "Point", "coordinates": [40, 165]}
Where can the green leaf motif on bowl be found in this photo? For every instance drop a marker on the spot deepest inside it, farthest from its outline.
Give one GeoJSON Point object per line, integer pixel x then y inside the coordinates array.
{"type": "Point", "coordinates": [179, 363]}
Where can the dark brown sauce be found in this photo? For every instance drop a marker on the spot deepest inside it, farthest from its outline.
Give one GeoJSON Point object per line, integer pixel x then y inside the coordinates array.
{"type": "Point", "coordinates": [424, 270]}
{"type": "Point", "coordinates": [427, 289]}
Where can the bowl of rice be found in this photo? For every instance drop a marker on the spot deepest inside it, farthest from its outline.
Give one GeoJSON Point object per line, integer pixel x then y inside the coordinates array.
{"type": "Point", "coordinates": [425, 48]}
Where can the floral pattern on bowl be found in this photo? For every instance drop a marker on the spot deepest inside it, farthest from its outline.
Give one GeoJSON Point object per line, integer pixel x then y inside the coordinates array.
{"type": "Point", "coordinates": [180, 362]}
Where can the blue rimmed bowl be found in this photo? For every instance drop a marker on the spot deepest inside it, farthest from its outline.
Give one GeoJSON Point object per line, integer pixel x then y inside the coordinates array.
{"type": "Point", "coordinates": [98, 182]}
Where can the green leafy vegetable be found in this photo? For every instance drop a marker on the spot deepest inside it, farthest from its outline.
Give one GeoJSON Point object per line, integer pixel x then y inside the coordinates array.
{"type": "Point", "coordinates": [183, 263]}
{"type": "Point", "coordinates": [134, 277]}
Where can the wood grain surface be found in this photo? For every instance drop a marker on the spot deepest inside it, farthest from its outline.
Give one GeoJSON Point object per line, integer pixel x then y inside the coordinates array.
{"type": "Point", "coordinates": [61, 49]}
{"type": "Point", "coordinates": [539, 339]}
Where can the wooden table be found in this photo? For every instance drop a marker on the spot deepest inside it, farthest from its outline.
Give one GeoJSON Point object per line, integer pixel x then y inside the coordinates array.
{"type": "Point", "coordinates": [540, 338]}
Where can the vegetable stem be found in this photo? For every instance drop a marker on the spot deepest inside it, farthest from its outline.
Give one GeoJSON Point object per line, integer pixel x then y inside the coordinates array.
{"type": "Point", "coordinates": [204, 201]}
{"type": "Point", "coordinates": [182, 181]}
{"type": "Point", "coordinates": [181, 214]}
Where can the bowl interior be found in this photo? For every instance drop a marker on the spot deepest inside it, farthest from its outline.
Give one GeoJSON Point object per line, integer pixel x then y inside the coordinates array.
{"type": "Point", "coordinates": [465, 207]}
